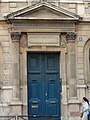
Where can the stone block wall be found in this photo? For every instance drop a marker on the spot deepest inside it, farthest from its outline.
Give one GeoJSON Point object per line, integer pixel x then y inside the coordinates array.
{"type": "Point", "coordinates": [81, 8]}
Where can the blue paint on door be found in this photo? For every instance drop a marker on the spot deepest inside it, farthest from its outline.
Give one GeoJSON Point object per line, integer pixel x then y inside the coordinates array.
{"type": "Point", "coordinates": [43, 85]}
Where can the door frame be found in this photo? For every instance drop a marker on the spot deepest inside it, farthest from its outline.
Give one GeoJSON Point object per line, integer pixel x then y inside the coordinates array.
{"type": "Point", "coordinates": [23, 71]}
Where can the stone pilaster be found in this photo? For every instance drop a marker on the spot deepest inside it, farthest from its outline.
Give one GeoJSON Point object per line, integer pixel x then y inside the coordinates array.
{"type": "Point", "coordinates": [15, 36]}
{"type": "Point", "coordinates": [16, 104]}
{"type": "Point", "coordinates": [88, 91]}
{"type": "Point", "coordinates": [71, 63]}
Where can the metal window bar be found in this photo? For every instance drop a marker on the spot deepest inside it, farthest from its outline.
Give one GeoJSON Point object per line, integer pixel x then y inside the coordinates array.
{"type": "Point", "coordinates": [34, 117]}
{"type": "Point", "coordinates": [7, 117]}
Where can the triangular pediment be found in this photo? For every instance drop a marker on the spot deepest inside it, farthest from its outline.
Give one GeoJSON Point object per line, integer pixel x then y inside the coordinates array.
{"type": "Point", "coordinates": [43, 10]}
{"type": "Point", "coordinates": [44, 13]}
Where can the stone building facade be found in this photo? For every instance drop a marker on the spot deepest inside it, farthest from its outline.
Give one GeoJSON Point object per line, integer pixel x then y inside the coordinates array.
{"type": "Point", "coordinates": [42, 27]}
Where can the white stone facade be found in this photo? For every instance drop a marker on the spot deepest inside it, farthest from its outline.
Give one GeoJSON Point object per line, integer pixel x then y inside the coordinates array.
{"type": "Point", "coordinates": [68, 26]}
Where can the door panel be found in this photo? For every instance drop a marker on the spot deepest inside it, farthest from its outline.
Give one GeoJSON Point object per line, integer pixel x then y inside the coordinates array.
{"type": "Point", "coordinates": [52, 84]}
{"type": "Point", "coordinates": [35, 85]}
{"type": "Point", "coordinates": [44, 85]}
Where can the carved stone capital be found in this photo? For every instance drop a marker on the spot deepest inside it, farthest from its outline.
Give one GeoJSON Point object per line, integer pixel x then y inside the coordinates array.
{"type": "Point", "coordinates": [71, 36]}
{"type": "Point", "coordinates": [15, 36]}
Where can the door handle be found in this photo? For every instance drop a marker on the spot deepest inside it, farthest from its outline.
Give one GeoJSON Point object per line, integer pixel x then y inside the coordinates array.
{"type": "Point", "coordinates": [45, 94]}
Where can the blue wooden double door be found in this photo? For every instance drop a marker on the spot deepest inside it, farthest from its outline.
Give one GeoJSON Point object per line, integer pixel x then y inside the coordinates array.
{"type": "Point", "coordinates": [44, 85]}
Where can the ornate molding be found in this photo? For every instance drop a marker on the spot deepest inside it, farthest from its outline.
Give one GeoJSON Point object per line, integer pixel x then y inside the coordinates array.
{"type": "Point", "coordinates": [41, 25]}
{"type": "Point", "coordinates": [71, 36]}
{"type": "Point", "coordinates": [15, 36]}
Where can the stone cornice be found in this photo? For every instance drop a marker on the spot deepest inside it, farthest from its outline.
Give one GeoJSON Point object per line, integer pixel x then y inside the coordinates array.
{"type": "Point", "coordinates": [42, 5]}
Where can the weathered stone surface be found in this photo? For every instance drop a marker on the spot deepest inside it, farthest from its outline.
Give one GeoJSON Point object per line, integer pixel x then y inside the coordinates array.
{"type": "Point", "coordinates": [67, 37]}
{"type": "Point", "coordinates": [46, 40]}
{"type": "Point", "coordinates": [13, 5]}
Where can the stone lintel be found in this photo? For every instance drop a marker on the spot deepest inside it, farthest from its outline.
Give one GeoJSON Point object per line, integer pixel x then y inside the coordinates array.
{"type": "Point", "coordinates": [15, 36]}
{"type": "Point", "coordinates": [71, 36]}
